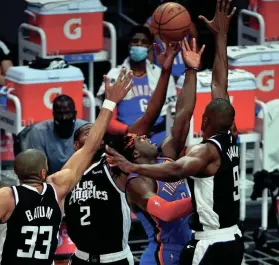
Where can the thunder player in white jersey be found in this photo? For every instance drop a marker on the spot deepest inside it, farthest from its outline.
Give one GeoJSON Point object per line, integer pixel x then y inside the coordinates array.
{"type": "Point", "coordinates": [33, 210]}
{"type": "Point", "coordinates": [212, 168]}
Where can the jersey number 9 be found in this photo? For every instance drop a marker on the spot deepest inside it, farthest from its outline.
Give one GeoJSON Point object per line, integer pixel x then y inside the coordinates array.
{"type": "Point", "coordinates": [236, 196]}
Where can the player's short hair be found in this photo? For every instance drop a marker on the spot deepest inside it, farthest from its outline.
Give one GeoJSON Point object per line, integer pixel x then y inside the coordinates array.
{"type": "Point", "coordinates": [29, 163]}
{"type": "Point", "coordinates": [61, 99]}
{"type": "Point", "coordinates": [141, 29]}
{"type": "Point", "coordinates": [223, 112]}
{"type": "Point", "coordinates": [79, 130]}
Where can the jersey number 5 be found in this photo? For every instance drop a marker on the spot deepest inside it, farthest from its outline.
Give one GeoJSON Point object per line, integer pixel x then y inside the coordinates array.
{"type": "Point", "coordinates": [35, 231]}
{"type": "Point", "coordinates": [236, 196]}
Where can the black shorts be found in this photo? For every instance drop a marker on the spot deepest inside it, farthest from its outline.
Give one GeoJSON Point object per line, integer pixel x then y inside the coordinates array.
{"type": "Point", "coordinates": [198, 252]}
{"type": "Point", "coordinates": [76, 261]}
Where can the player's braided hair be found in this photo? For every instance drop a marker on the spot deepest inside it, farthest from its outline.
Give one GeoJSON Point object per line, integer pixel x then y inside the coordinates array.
{"type": "Point", "coordinates": [123, 144]}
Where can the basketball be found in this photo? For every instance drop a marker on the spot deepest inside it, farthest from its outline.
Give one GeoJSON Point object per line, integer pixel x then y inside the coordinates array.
{"type": "Point", "coordinates": [170, 22]}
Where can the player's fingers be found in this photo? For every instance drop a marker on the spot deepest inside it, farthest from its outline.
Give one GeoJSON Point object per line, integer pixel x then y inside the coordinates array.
{"type": "Point", "coordinates": [127, 79]}
{"type": "Point", "coordinates": [110, 151]}
{"type": "Point", "coordinates": [228, 5]}
{"type": "Point", "coordinates": [218, 6]}
{"type": "Point", "coordinates": [106, 81]}
{"type": "Point", "coordinates": [161, 47]}
{"type": "Point", "coordinates": [204, 19]}
{"type": "Point", "coordinates": [223, 5]}
{"type": "Point", "coordinates": [194, 45]}
{"type": "Point", "coordinates": [110, 160]}
{"type": "Point", "coordinates": [201, 50]}
{"type": "Point", "coordinates": [111, 164]}
{"type": "Point", "coordinates": [232, 13]}
{"type": "Point", "coordinates": [187, 44]}
{"type": "Point", "coordinates": [156, 48]}
{"type": "Point", "coordinates": [129, 87]}
{"type": "Point", "coordinates": [121, 75]}
{"type": "Point", "coordinates": [183, 47]}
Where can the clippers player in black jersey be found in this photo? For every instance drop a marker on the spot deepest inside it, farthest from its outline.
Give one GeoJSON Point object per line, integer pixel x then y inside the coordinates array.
{"type": "Point", "coordinates": [212, 167]}
{"type": "Point", "coordinates": [33, 210]}
{"type": "Point", "coordinates": [103, 237]}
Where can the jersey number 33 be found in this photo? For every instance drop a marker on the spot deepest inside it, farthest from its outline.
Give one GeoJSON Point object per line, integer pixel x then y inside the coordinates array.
{"type": "Point", "coordinates": [32, 233]}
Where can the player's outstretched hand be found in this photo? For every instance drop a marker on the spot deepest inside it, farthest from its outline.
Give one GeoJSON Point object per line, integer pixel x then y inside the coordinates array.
{"type": "Point", "coordinates": [117, 91]}
{"type": "Point", "coordinates": [114, 159]}
{"type": "Point", "coordinates": [166, 57]}
{"type": "Point", "coordinates": [191, 58]}
{"type": "Point", "coordinates": [221, 21]}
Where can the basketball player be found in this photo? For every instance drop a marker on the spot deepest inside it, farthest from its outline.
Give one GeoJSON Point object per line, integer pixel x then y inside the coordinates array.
{"type": "Point", "coordinates": [33, 210]}
{"type": "Point", "coordinates": [162, 207]}
{"type": "Point", "coordinates": [97, 239]}
{"type": "Point", "coordinates": [212, 168]}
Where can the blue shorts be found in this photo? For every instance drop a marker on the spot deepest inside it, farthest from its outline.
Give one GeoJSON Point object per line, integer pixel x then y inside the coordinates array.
{"type": "Point", "coordinates": [153, 255]}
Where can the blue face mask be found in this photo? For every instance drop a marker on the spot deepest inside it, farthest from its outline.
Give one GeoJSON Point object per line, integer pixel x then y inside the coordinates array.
{"type": "Point", "coordinates": [138, 53]}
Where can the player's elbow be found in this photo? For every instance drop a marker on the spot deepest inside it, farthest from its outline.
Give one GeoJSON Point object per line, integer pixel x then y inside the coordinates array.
{"type": "Point", "coordinates": [177, 171]}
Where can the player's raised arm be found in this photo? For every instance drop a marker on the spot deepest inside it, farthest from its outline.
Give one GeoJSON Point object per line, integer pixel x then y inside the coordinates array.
{"type": "Point", "coordinates": [219, 26]}
{"type": "Point", "coordinates": [198, 160]}
{"type": "Point", "coordinates": [68, 177]}
{"type": "Point", "coordinates": [144, 124]}
{"type": "Point", "coordinates": [174, 144]}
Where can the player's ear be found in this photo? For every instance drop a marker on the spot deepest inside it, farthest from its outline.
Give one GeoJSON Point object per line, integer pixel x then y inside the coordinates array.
{"type": "Point", "coordinates": [43, 174]}
{"type": "Point", "coordinates": [136, 154]}
{"type": "Point", "coordinates": [76, 145]}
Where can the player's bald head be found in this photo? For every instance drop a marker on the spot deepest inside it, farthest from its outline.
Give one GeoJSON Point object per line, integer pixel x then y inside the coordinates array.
{"type": "Point", "coordinates": [219, 114]}
{"type": "Point", "coordinates": [29, 164]}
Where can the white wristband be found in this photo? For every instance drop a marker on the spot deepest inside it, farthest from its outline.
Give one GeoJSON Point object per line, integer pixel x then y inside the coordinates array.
{"type": "Point", "coordinates": [108, 104]}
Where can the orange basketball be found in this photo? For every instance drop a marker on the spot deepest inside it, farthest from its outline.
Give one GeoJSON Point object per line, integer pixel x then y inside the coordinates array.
{"type": "Point", "coordinates": [170, 22]}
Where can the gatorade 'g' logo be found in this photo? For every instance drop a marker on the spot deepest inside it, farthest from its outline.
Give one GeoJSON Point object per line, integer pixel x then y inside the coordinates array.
{"type": "Point", "coordinates": [50, 94]}
{"type": "Point", "coordinates": [72, 29]}
{"type": "Point", "coordinates": [265, 80]}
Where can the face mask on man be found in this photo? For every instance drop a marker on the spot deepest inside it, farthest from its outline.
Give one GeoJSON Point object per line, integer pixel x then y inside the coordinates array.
{"type": "Point", "coordinates": [64, 127]}
{"type": "Point", "coordinates": [138, 53]}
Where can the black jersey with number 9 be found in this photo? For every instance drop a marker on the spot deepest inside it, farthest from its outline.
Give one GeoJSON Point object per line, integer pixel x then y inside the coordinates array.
{"type": "Point", "coordinates": [216, 198]}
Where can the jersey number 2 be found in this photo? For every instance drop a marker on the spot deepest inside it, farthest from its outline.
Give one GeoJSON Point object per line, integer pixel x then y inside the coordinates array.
{"type": "Point", "coordinates": [236, 196]}
{"type": "Point", "coordinates": [32, 253]}
{"type": "Point", "coordinates": [85, 209]}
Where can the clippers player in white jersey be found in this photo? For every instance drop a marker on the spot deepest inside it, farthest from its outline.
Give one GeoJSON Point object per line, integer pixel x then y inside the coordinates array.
{"type": "Point", "coordinates": [33, 210]}
{"type": "Point", "coordinates": [103, 237]}
{"type": "Point", "coordinates": [211, 167]}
